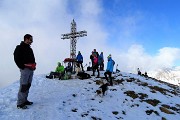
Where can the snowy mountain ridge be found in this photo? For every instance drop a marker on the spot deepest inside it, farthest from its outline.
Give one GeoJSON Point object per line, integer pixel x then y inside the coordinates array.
{"type": "Point", "coordinates": [131, 97]}
{"type": "Point", "coordinates": [170, 75]}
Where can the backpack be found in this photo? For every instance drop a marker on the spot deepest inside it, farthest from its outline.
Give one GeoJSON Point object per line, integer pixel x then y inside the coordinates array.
{"type": "Point", "coordinates": [66, 76]}
{"type": "Point", "coordinates": [83, 75]}
{"type": "Point", "coordinates": [113, 62]}
{"type": "Point", "coordinates": [100, 60]}
{"type": "Point", "coordinates": [95, 60]}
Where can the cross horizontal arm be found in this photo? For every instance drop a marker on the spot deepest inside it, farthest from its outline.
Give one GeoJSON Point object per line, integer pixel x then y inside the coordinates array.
{"type": "Point", "coordinates": [74, 35]}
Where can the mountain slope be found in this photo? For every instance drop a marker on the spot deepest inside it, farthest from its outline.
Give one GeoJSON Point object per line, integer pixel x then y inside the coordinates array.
{"type": "Point", "coordinates": [131, 97]}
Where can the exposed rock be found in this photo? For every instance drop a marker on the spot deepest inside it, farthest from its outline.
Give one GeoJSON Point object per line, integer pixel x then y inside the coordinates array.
{"type": "Point", "coordinates": [95, 118]}
{"type": "Point", "coordinates": [135, 105]}
{"type": "Point", "coordinates": [84, 114]}
{"type": "Point", "coordinates": [115, 112]}
{"type": "Point", "coordinates": [131, 94]}
{"type": "Point", "coordinates": [149, 112]}
{"type": "Point", "coordinates": [165, 110]}
{"type": "Point", "coordinates": [99, 82]}
{"type": "Point", "coordinates": [171, 107]}
{"type": "Point", "coordinates": [156, 88]}
{"type": "Point", "coordinates": [142, 95]}
{"type": "Point", "coordinates": [74, 110]}
{"type": "Point", "coordinates": [153, 102]}
{"type": "Point", "coordinates": [74, 95]}
{"type": "Point", "coordinates": [113, 89]}
{"type": "Point", "coordinates": [123, 112]}
{"type": "Point", "coordinates": [163, 118]}
{"type": "Point", "coordinates": [117, 82]}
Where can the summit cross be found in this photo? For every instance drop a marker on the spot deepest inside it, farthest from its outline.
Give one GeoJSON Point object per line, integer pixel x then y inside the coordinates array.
{"type": "Point", "coordinates": [73, 38]}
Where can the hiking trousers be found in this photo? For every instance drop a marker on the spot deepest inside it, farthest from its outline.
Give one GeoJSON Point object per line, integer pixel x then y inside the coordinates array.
{"type": "Point", "coordinates": [25, 84]}
{"type": "Point", "coordinates": [110, 77]}
{"type": "Point", "coordinates": [96, 68]}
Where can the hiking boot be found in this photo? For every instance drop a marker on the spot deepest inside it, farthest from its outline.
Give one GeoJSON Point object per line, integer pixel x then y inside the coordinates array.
{"type": "Point", "coordinates": [28, 103]}
{"type": "Point", "coordinates": [92, 75]}
{"type": "Point", "coordinates": [22, 106]}
{"type": "Point", "coordinates": [50, 77]}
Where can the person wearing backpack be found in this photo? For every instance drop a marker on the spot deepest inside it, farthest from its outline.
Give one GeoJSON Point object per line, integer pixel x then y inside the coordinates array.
{"type": "Point", "coordinates": [91, 58]}
{"type": "Point", "coordinates": [69, 68]}
{"type": "Point", "coordinates": [95, 65]}
{"type": "Point", "coordinates": [101, 61]}
{"type": "Point", "coordinates": [109, 70]}
{"type": "Point", "coordinates": [79, 59]}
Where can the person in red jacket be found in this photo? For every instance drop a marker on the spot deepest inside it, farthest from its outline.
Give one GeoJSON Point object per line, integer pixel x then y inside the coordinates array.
{"type": "Point", "coordinates": [25, 60]}
{"type": "Point", "coordinates": [95, 66]}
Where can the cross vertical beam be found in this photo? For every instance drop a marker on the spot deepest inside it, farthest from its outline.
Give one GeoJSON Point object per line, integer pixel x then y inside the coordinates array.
{"type": "Point", "coordinates": [73, 38]}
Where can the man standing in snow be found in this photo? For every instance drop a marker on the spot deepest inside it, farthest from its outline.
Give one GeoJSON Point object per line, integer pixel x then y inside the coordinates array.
{"type": "Point", "coordinates": [109, 70]}
{"type": "Point", "coordinates": [101, 61]}
{"type": "Point", "coordinates": [25, 60]}
{"type": "Point", "coordinates": [91, 57]}
{"type": "Point", "coordinates": [79, 59]}
{"type": "Point", "coordinates": [95, 65]}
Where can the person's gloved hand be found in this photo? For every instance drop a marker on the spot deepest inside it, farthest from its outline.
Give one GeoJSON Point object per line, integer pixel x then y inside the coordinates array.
{"type": "Point", "coordinates": [31, 66]}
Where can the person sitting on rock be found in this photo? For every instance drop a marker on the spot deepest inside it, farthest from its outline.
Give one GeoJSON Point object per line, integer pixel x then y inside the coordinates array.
{"type": "Point", "coordinates": [68, 68]}
{"type": "Point", "coordinates": [59, 72]}
{"type": "Point", "coordinates": [139, 72]}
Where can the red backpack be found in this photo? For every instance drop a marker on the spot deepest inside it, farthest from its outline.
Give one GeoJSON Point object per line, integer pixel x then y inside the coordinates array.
{"type": "Point", "coordinates": [95, 60]}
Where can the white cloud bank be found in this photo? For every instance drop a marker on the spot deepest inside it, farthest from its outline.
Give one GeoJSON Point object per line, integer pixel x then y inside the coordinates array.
{"type": "Point", "coordinates": [47, 20]}
{"type": "Point", "coordinates": [136, 57]}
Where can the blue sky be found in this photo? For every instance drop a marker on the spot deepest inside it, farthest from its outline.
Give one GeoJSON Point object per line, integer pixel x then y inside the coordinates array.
{"type": "Point", "coordinates": [155, 22]}
{"type": "Point", "coordinates": [138, 33]}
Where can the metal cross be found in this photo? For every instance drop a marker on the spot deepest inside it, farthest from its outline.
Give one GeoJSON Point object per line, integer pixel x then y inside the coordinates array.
{"type": "Point", "coordinates": [73, 38]}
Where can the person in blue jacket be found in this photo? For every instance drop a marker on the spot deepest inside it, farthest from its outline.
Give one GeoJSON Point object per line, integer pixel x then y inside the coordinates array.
{"type": "Point", "coordinates": [79, 59]}
{"type": "Point", "coordinates": [109, 70]}
{"type": "Point", "coordinates": [101, 61]}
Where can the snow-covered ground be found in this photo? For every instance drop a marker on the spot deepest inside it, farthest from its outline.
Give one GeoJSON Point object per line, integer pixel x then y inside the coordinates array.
{"type": "Point", "coordinates": [131, 97]}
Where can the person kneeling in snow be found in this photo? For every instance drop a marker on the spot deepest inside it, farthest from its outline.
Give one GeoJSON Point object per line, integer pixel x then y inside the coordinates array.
{"type": "Point", "coordinates": [59, 72]}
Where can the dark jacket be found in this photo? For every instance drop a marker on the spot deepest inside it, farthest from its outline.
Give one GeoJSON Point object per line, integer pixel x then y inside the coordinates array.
{"type": "Point", "coordinates": [100, 59]}
{"type": "Point", "coordinates": [91, 57]}
{"type": "Point", "coordinates": [23, 54]}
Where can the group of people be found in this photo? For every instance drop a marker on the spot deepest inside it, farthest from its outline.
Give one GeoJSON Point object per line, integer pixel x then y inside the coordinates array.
{"type": "Point", "coordinates": [98, 64]}
{"type": "Point", "coordinates": [25, 60]}
{"type": "Point", "coordinates": [97, 60]}
{"type": "Point", "coordinates": [139, 73]}
{"type": "Point", "coordinates": [61, 72]}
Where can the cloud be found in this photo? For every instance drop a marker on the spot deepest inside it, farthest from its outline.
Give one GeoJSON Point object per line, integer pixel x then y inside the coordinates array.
{"type": "Point", "coordinates": [136, 57]}
{"type": "Point", "coordinates": [47, 20]}
{"type": "Point", "coordinates": [167, 56]}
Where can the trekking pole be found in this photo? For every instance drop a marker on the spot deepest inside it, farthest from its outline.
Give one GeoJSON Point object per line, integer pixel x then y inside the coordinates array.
{"type": "Point", "coordinates": [85, 65]}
